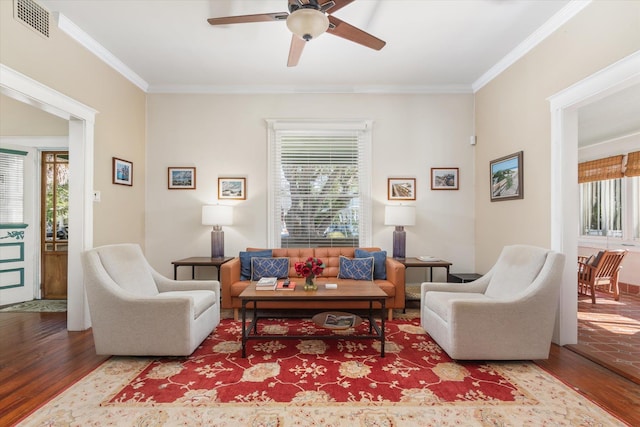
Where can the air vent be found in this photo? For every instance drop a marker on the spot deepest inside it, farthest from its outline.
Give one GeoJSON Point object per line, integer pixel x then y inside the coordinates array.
{"type": "Point", "coordinates": [32, 15]}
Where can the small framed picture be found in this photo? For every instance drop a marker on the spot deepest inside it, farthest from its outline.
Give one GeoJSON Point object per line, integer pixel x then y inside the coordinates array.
{"type": "Point", "coordinates": [232, 188]}
{"type": "Point", "coordinates": [182, 178]}
{"type": "Point", "coordinates": [444, 178]}
{"type": "Point", "coordinates": [506, 177]}
{"type": "Point", "coordinates": [401, 188]}
{"type": "Point", "coordinates": [122, 172]}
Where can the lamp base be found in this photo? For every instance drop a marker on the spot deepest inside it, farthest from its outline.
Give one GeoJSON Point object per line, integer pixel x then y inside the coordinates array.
{"type": "Point", "coordinates": [217, 243]}
{"type": "Point", "coordinates": [399, 242]}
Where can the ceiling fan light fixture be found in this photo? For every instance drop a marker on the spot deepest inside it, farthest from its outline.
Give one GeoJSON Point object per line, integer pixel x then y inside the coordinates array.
{"type": "Point", "coordinates": [307, 23]}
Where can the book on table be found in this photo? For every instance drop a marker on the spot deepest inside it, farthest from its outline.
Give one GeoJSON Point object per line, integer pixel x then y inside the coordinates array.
{"type": "Point", "coordinates": [286, 285]}
{"type": "Point", "coordinates": [266, 284]}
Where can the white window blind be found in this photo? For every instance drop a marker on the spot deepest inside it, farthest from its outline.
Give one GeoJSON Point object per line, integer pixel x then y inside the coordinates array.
{"type": "Point", "coordinates": [319, 184]}
{"type": "Point", "coordinates": [12, 186]}
{"type": "Point", "coordinates": [602, 208]}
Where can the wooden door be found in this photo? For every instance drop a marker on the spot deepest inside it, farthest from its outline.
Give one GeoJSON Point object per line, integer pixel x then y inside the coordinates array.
{"type": "Point", "coordinates": [55, 223]}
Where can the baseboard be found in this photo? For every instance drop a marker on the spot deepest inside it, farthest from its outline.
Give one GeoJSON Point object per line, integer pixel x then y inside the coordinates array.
{"type": "Point", "coordinates": [629, 289]}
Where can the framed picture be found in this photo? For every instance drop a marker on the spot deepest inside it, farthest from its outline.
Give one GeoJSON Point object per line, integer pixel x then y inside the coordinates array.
{"type": "Point", "coordinates": [401, 188]}
{"type": "Point", "coordinates": [232, 188]}
{"type": "Point", "coordinates": [506, 178]}
{"type": "Point", "coordinates": [122, 172]}
{"type": "Point", "coordinates": [444, 178]}
{"type": "Point", "coordinates": [182, 178]}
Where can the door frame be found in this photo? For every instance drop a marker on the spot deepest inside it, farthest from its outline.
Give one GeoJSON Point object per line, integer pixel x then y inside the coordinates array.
{"type": "Point", "coordinates": [81, 142]}
{"type": "Point", "coordinates": [564, 107]}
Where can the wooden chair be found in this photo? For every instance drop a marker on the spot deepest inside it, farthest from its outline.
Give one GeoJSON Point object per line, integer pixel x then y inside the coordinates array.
{"type": "Point", "coordinates": [602, 271]}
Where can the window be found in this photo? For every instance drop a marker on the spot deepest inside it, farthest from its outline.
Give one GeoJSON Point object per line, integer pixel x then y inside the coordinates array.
{"type": "Point", "coordinates": [602, 208]}
{"type": "Point", "coordinates": [319, 183]}
{"type": "Point", "coordinates": [610, 197]}
{"type": "Point", "coordinates": [12, 186]}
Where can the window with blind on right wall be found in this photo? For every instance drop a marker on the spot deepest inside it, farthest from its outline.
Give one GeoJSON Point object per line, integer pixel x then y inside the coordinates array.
{"type": "Point", "coordinates": [610, 197]}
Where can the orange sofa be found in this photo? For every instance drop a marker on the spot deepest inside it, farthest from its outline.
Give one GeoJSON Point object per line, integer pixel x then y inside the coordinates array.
{"type": "Point", "coordinates": [232, 286]}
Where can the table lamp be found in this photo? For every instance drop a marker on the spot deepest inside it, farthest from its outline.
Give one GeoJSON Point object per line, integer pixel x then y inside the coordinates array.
{"type": "Point", "coordinates": [399, 216]}
{"type": "Point", "coordinates": [217, 215]}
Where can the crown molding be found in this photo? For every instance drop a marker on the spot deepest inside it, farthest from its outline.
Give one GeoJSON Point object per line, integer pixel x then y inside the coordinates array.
{"type": "Point", "coordinates": [77, 34]}
{"type": "Point", "coordinates": [40, 142]}
{"type": "Point", "coordinates": [556, 21]}
{"type": "Point", "coordinates": [253, 90]}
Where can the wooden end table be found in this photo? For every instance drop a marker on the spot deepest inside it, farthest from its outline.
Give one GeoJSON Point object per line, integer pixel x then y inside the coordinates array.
{"type": "Point", "coordinates": [415, 262]}
{"type": "Point", "coordinates": [194, 262]}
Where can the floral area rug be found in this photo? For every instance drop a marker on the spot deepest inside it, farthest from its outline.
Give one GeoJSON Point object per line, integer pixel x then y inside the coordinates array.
{"type": "Point", "coordinates": [315, 382]}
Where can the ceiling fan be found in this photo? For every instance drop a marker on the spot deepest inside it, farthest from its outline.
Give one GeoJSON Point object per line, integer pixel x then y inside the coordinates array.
{"type": "Point", "coordinates": [307, 19]}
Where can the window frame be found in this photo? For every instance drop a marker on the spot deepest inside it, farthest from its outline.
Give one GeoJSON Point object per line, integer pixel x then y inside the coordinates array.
{"type": "Point", "coordinates": [630, 202]}
{"type": "Point", "coordinates": [277, 127]}
{"type": "Point", "coordinates": [18, 173]}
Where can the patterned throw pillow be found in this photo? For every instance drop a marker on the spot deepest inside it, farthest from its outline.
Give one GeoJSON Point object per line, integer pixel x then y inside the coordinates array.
{"type": "Point", "coordinates": [269, 267]}
{"type": "Point", "coordinates": [379, 262]}
{"type": "Point", "coordinates": [357, 268]}
{"type": "Point", "coordinates": [245, 261]}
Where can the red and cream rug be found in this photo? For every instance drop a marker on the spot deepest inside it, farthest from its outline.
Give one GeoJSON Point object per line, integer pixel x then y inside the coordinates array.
{"type": "Point", "coordinates": [314, 382]}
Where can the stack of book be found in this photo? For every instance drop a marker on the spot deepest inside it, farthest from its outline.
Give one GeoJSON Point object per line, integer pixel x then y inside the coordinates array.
{"type": "Point", "coordinates": [266, 284]}
{"type": "Point", "coordinates": [286, 285]}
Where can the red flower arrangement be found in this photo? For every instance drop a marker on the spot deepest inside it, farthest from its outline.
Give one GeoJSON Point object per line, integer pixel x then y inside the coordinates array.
{"type": "Point", "coordinates": [309, 269]}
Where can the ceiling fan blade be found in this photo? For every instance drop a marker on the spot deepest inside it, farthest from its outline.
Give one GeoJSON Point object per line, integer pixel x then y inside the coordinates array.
{"type": "Point", "coordinates": [297, 45]}
{"type": "Point", "coordinates": [347, 31]}
{"type": "Point", "coordinates": [337, 5]}
{"type": "Point", "coordinates": [241, 19]}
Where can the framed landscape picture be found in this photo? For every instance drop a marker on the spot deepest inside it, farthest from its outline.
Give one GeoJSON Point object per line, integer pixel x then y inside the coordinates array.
{"type": "Point", "coordinates": [506, 177]}
{"type": "Point", "coordinates": [401, 188]}
{"type": "Point", "coordinates": [444, 178]}
{"type": "Point", "coordinates": [232, 188]}
{"type": "Point", "coordinates": [122, 172]}
{"type": "Point", "coordinates": [182, 178]}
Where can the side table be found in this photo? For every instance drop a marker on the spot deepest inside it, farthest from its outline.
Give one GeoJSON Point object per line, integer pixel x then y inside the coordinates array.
{"type": "Point", "coordinates": [194, 262]}
{"type": "Point", "coordinates": [463, 277]}
{"type": "Point", "coordinates": [415, 262]}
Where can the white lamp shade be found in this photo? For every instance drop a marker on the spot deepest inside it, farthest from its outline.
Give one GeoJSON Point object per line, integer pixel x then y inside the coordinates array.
{"type": "Point", "coordinates": [399, 215]}
{"type": "Point", "coordinates": [217, 215]}
{"type": "Point", "coordinates": [307, 23]}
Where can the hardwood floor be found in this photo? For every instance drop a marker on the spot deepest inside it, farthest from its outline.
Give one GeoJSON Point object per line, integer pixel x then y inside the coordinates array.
{"type": "Point", "coordinates": [39, 358]}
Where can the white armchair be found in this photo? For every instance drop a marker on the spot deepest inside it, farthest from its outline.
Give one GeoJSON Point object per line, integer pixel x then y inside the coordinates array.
{"type": "Point", "coordinates": [138, 312]}
{"type": "Point", "coordinates": [507, 314]}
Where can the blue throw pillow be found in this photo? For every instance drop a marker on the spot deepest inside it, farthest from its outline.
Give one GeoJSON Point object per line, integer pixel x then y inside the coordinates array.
{"type": "Point", "coordinates": [245, 261]}
{"type": "Point", "coordinates": [357, 268]}
{"type": "Point", "coordinates": [379, 262]}
{"type": "Point", "coordinates": [269, 267]}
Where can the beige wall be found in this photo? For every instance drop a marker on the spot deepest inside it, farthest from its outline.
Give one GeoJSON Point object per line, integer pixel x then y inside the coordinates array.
{"type": "Point", "coordinates": [512, 114]}
{"type": "Point", "coordinates": [20, 119]}
{"type": "Point", "coordinates": [226, 135]}
{"type": "Point", "coordinates": [64, 65]}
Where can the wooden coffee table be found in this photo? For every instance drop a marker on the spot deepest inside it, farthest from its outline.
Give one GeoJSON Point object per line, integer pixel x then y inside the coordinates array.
{"type": "Point", "coordinates": [365, 291]}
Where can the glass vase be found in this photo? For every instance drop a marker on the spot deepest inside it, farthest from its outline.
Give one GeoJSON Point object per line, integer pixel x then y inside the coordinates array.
{"type": "Point", "coordinates": [310, 283]}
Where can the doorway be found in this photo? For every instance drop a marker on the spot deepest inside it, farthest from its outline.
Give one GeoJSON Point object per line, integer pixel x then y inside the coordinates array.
{"type": "Point", "coordinates": [564, 170]}
{"type": "Point", "coordinates": [54, 226]}
{"type": "Point", "coordinates": [81, 136]}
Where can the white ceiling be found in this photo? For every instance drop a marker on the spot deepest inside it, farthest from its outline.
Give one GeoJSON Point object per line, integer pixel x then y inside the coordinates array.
{"type": "Point", "coordinates": [432, 45]}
